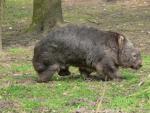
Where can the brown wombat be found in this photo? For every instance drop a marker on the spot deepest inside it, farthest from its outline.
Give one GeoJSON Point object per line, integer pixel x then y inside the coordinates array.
{"type": "Point", "coordinates": [88, 48]}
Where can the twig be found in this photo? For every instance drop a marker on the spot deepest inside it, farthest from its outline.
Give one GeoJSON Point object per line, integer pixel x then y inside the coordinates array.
{"type": "Point", "coordinates": [138, 93]}
{"type": "Point", "coordinates": [99, 105]}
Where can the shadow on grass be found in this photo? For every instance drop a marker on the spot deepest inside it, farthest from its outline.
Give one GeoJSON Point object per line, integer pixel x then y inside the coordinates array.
{"type": "Point", "coordinates": [127, 75]}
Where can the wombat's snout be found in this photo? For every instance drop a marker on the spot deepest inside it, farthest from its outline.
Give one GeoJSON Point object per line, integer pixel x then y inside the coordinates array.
{"type": "Point", "coordinates": [137, 65]}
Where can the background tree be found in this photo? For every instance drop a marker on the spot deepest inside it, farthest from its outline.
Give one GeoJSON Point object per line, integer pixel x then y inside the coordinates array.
{"type": "Point", "coordinates": [1, 13]}
{"type": "Point", "coordinates": [46, 14]}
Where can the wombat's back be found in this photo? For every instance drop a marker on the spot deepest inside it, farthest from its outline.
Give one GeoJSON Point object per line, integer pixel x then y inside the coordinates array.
{"type": "Point", "coordinates": [79, 35]}
{"type": "Point", "coordinates": [75, 39]}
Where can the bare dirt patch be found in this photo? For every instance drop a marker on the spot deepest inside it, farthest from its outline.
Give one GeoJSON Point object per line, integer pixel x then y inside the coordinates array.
{"type": "Point", "coordinates": [42, 110]}
{"type": "Point", "coordinates": [8, 104]}
{"type": "Point", "coordinates": [85, 110]}
{"type": "Point", "coordinates": [129, 18]}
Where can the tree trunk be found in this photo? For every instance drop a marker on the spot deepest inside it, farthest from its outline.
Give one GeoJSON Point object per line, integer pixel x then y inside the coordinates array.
{"type": "Point", "coordinates": [1, 15]}
{"type": "Point", "coordinates": [0, 38]}
{"type": "Point", "coordinates": [46, 14]}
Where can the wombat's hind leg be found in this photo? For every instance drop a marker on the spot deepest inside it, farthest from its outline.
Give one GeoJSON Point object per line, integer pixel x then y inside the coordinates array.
{"type": "Point", "coordinates": [47, 74]}
{"type": "Point", "coordinates": [64, 71]}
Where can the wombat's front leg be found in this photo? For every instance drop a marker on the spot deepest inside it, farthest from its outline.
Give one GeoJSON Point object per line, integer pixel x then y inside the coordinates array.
{"type": "Point", "coordinates": [85, 71]}
{"type": "Point", "coordinates": [108, 68]}
{"type": "Point", "coordinates": [110, 73]}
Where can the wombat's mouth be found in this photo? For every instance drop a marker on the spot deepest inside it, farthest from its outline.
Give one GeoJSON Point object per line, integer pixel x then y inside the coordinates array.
{"type": "Point", "coordinates": [136, 67]}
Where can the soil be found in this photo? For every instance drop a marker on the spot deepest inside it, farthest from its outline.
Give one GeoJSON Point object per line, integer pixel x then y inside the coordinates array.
{"type": "Point", "coordinates": [85, 110]}
{"type": "Point", "coordinates": [19, 37]}
{"type": "Point", "coordinates": [8, 104]}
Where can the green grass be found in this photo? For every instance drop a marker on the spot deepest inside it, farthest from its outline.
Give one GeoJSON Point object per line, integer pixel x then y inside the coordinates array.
{"type": "Point", "coordinates": [20, 93]}
{"type": "Point", "coordinates": [65, 94]}
{"type": "Point", "coordinates": [16, 50]}
{"type": "Point", "coordinates": [17, 15]}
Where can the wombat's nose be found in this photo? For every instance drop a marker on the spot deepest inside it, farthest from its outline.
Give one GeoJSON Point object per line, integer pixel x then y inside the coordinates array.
{"type": "Point", "coordinates": [140, 65]}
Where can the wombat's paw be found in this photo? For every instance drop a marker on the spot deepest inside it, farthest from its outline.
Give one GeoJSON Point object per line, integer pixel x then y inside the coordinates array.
{"type": "Point", "coordinates": [42, 81]}
{"type": "Point", "coordinates": [95, 77]}
{"type": "Point", "coordinates": [65, 73]}
{"type": "Point", "coordinates": [118, 78]}
{"type": "Point", "coordinates": [88, 78]}
{"type": "Point", "coordinates": [105, 78]}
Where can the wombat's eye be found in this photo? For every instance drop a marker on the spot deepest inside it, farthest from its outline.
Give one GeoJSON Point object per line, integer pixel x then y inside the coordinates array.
{"type": "Point", "coordinates": [134, 56]}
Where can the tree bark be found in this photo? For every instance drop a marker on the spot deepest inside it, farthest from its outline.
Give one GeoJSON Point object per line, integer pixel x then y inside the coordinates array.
{"type": "Point", "coordinates": [46, 14]}
{"type": "Point", "coordinates": [1, 15]}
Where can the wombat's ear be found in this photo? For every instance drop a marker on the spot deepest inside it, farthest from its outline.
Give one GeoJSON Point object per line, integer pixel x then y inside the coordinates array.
{"type": "Point", "coordinates": [121, 40]}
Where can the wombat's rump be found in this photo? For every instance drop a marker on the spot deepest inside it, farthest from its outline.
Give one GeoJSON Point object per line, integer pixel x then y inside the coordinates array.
{"type": "Point", "coordinates": [88, 48]}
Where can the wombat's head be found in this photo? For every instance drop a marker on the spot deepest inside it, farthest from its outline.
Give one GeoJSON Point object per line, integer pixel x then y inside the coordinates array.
{"type": "Point", "coordinates": [129, 56]}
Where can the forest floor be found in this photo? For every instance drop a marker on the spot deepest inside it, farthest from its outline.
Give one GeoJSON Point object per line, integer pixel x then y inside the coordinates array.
{"type": "Point", "coordinates": [19, 91]}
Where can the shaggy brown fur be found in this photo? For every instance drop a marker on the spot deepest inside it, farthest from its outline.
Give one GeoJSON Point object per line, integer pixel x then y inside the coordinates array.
{"type": "Point", "coordinates": [88, 48]}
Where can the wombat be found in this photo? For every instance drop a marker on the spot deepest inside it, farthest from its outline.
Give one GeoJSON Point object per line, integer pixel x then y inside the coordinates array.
{"type": "Point", "coordinates": [86, 47]}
